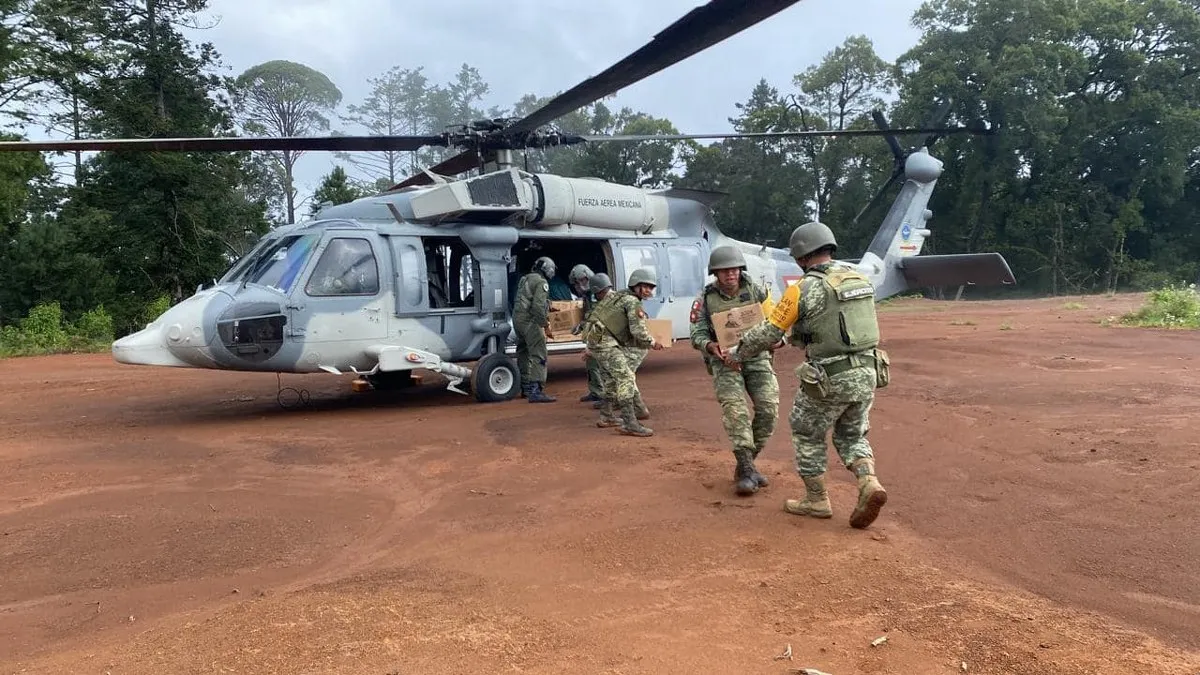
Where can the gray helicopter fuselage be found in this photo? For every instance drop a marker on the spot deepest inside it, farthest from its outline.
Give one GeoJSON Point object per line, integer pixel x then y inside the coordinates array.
{"type": "Point", "coordinates": [426, 277]}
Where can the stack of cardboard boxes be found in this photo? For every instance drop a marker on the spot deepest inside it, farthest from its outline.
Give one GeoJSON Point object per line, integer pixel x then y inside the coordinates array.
{"type": "Point", "coordinates": [566, 314]}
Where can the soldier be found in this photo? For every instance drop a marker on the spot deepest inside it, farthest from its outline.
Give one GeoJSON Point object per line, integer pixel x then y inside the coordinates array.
{"type": "Point", "coordinates": [581, 277]}
{"type": "Point", "coordinates": [618, 321]}
{"type": "Point", "coordinates": [531, 319]}
{"type": "Point", "coordinates": [831, 313]}
{"type": "Point", "coordinates": [732, 381]}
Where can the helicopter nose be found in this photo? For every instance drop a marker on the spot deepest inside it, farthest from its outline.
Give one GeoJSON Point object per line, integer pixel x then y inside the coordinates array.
{"type": "Point", "coordinates": [147, 347]}
{"type": "Point", "coordinates": [174, 339]}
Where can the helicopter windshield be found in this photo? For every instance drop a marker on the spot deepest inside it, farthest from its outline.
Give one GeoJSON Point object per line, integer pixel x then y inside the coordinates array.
{"type": "Point", "coordinates": [279, 264]}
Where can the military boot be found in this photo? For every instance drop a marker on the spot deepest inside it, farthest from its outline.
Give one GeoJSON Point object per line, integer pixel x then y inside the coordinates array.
{"type": "Point", "coordinates": [588, 397]}
{"type": "Point", "coordinates": [758, 477]}
{"type": "Point", "coordinates": [871, 495]}
{"type": "Point", "coordinates": [815, 502]}
{"type": "Point", "coordinates": [743, 474]}
{"type": "Point", "coordinates": [639, 406]}
{"type": "Point", "coordinates": [630, 426]}
{"type": "Point", "coordinates": [536, 395]}
{"type": "Point", "coordinates": [608, 417]}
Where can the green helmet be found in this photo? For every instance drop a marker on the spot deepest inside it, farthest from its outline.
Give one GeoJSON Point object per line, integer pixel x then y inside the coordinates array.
{"type": "Point", "coordinates": [810, 237]}
{"type": "Point", "coordinates": [725, 257]}
{"type": "Point", "coordinates": [642, 276]}
{"type": "Point", "coordinates": [599, 282]}
{"type": "Point", "coordinates": [579, 275]}
{"type": "Point", "coordinates": [545, 266]}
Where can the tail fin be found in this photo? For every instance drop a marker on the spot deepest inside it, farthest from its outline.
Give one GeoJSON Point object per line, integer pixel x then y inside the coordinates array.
{"type": "Point", "coordinates": [892, 258]}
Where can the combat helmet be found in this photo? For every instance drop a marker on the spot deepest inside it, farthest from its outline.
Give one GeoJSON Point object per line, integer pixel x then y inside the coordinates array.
{"type": "Point", "coordinates": [546, 266]}
{"type": "Point", "coordinates": [599, 282]}
{"type": "Point", "coordinates": [809, 237]}
{"type": "Point", "coordinates": [579, 274]}
{"type": "Point", "coordinates": [642, 276]}
{"type": "Point", "coordinates": [725, 257]}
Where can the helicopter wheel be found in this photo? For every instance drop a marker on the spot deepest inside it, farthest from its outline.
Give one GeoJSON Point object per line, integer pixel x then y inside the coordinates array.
{"type": "Point", "coordinates": [495, 378]}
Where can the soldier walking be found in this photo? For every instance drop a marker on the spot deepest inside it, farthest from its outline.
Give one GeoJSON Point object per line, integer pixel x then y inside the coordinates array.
{"type": "Point", "coordinates": [733, 381]}
{"type": "Point", "coordinates": [617, 323]}
{"type": "Point", "coordinates": [831, 314]}
{"type": "Point", "coordinates": [531, 319]}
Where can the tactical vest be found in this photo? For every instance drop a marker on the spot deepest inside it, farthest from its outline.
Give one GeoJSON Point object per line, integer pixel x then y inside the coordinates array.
{"type": "Point", "coordinates": [714, 303]}
{"type": "Point", "coordinates": [848, 324]}
{"type": "Point", "coordinates": [610, 313]}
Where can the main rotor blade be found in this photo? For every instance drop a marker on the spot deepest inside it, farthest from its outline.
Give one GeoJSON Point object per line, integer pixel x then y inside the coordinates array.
{"type": "Point", "coordinates": [889, 136]}
{"type": "Point", "coordinates": [457, 164]}
{"type": "Point", "coordinates": [767, 134]}
{"type": "Point", "coordinates": [698, 30]}
{"type": "Point", "coordinates": [879, 195]}
{"type": "Point", "coordinates": [234, 143]}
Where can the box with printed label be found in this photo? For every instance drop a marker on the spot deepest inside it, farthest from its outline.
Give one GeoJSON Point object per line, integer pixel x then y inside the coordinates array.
{"type": "Point", "coordinates": [729, 325]}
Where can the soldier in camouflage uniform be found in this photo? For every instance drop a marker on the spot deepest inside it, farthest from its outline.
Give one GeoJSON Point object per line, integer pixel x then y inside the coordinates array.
{"type": "Point", "coordinates": [531, 319]}
{"type": "Point", "coordinates": [831, 313]}
{"type": "Point", "coordinates": [618, 322]}
{"type": "Point", "coordinates": [580, 278]}
{"type": "Point", "coordinates": [733, 381]}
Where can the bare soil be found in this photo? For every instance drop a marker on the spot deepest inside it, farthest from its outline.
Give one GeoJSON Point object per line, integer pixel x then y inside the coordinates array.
{"type": "Point", "coordinates": [1042, 471]}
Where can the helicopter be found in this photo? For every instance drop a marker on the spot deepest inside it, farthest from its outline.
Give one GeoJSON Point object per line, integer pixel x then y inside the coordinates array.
{"type": "Point", "coordinates": [422, 275]}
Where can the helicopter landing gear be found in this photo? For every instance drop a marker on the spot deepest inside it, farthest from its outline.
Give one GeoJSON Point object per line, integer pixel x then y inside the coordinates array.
{"type": "Point", "coordinates": [393, 380]}
{"type": "Point", "coordinates": [495, 378]}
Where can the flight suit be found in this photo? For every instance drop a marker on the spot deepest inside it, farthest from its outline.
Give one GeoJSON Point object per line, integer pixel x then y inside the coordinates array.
{"type": "Point", "coordinates": [755, 378]}
{"type": "Point", "coordinates": [831, 314]}
{"type": "Point", "coordinates": [531, 315]}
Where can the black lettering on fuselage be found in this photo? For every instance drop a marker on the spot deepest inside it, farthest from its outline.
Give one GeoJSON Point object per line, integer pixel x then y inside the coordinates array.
{"type": "Point", "coordinates": [615, 203]}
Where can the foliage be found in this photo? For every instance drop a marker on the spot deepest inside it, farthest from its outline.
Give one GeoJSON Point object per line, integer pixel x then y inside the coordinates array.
{"type": "Point", "coordinates": [1174, 306]}
{"type": "Point", "coordinates": [44, 331]}
{"type": "Point", "coordinates": [335, 188]}
{"type": "Point", "coordinates": [284, 98]}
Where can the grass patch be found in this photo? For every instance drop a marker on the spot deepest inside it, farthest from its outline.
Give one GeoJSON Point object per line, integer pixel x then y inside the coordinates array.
{"type": "Point", "coordinates": [1074, 305]}
{"type": "Point", "coordinates": [1006, 326]}
{"type": "Point", "coordinates": [1170, 307]}
{"type": "Point", "coordinates": [44, 331]}
{"type": "Point", "coordinates": [962, 322]}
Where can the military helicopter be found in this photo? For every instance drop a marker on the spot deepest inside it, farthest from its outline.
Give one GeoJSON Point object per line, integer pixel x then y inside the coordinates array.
{"type": "Point", "coordinates": [421, 276]}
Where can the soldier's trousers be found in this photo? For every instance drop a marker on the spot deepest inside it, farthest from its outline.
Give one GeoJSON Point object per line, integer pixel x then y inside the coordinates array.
{"type": "Point", "coordinates": [633, 355]}
{"type": "Point", "coordinates": [616, 375]}
{"type": "Point", "coordinates": [531, 353]}
{"type": "Point", "coordinates": [847, 409]}
{"type": "Point", "coordinates": [757, 379]}
{"type": "Point", "coordinates": [595, 388]}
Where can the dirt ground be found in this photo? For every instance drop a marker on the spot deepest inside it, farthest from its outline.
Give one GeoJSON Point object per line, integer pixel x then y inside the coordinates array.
{"type": "Point", "coordinates": [1042, 471]}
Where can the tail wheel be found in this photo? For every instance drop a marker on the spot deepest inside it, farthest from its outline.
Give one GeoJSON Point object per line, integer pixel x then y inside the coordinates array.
{"type": "Point", "coordinates": [495, 378]}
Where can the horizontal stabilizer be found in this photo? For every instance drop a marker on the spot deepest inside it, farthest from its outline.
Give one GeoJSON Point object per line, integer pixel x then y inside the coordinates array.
{"type": "Point", "coordinates": [706, 197]}
{"type": "Point", "coordinates": [959, 269]}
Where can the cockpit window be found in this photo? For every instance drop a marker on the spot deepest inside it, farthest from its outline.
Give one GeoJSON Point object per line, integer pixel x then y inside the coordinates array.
{"type": "Point", "coordinates": [282, 262]}
{"type": "Point", "coordinates": [347, 267]}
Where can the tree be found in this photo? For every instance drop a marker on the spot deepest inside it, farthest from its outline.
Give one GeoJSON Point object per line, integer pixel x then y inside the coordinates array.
{"type": "Point", "coordinates": [286, 99]}
{"type": "Point", "coordinates": [335, 188]}
{"type": "Point", "coordinates": [397, 105]}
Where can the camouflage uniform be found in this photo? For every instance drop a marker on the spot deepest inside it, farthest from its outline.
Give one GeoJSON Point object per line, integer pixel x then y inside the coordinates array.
{"type": "Point", "coordinates": [617, 324]}
{"type": "Point", "coordinates": [531, 315]}
{"type": "Point", "coordinates": [755, 378]}
{"type": "Point", "coordinates": [831, 314]}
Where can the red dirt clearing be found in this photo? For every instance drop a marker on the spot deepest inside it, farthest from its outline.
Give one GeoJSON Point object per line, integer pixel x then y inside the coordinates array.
{"type": "Point", "coordinates": [1042, 472]}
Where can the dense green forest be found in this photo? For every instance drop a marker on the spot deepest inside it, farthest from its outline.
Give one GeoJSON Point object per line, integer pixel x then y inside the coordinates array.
{"type": "Point", "coordinates": [1092, 183]}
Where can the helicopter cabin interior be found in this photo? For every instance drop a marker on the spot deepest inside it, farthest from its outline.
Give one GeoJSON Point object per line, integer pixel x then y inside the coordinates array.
{"type": "Point", "coordinates": [678, 263]}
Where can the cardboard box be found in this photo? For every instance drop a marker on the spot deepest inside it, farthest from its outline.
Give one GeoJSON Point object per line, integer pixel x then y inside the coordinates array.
{"type": "Point", "coordinates": [730, 325]}
{"type": "Point", "coordinates": [564, 316]}
{"type": "Point", "coordinates": [661, 330]}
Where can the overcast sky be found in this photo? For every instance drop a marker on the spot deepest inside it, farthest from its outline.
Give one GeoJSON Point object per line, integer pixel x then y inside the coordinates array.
{"type": "Point", "coordinates": [543, 46]}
